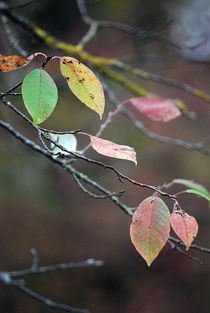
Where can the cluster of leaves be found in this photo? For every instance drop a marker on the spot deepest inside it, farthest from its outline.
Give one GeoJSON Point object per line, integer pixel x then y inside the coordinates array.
{"type": "Point", "coordinates": [150, 227]}
{"type": "Point", "coordinates": [152, 220]}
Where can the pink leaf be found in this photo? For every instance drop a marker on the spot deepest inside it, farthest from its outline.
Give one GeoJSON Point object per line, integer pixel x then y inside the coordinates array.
{"type": "Point", "coordinates": [111, 149]}
{"type": "Point", "coordinates": [157, 109]}
{"type": "Point", "coordinates": [184, 226]}
{"type": "Point", "coordinates": [150, 228]}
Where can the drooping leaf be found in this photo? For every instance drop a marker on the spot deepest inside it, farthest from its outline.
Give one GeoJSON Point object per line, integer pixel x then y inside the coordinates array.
{"type": "Point", "coordinates": [199, 194]}
{"type": "Point", "coordinates": [150, 228]}
{"type": "Point", "coordinates": [155, 108]}
{"type": "Point", "coordinates": [12, 62]}
{"type": "Point", "coordinates": [111, 149]}
{"type": "Point", "coordinates": [67, 141]}
{"type": "Point", "coordinates": [191, 184]}
{"type": "Point", "coordinates": [184, 226]}
{"type": "Point", "coordinates": [40, 95]}
{"type": "Point", "coordinates": [83, 83]}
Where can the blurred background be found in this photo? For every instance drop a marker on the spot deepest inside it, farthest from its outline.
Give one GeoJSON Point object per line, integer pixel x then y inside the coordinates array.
{"type": "Point", "coordinates": [41, 207]}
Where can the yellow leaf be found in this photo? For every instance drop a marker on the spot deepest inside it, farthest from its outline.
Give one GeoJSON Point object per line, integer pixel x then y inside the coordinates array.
{"type": "Point", "coordinates": [83, 83]}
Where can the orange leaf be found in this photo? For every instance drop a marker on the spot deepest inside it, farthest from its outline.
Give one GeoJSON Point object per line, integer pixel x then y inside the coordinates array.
{"type": "Point", "coordinates": [184, 226]}
{"type": "Point", "coordinates": [111, 149]}
{"type": "Point", "coordinates": [150, 227]}
{"type": "Point", "coordinates": [157, 109]}
{"type": "Point", "coordinates": [12, 62]}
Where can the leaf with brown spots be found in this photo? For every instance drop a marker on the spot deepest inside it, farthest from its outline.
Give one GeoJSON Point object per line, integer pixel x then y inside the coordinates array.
{"type": "Point", "coordinates": [12, 62]}
{"type": "Point", "coordinates": [83, 83]}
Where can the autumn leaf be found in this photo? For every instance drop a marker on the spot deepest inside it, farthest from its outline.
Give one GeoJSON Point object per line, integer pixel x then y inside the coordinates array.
{"type": "Point", "coordinates": [12, 62]}
{"type": "Point", "coordinates": [83, 83]}
{"type": "Point", "coordinates": [40, 95]}
{"type": "Point", "coordinates": [150, 227]}
{"type": "Point", "coordinates": [184, 226]}
{"type": "Point", "coordinates": [155, 108]}
{"type": "Point", "coordinates": [111, 149]}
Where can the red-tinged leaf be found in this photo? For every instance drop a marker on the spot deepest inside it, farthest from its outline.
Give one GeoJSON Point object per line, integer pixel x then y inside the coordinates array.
{"type": "Point", "coordinates": [150, 228]}
{"type": "Point", "coordinates": [184, 226]}
{"type": "Point", "coordinates": [12, 62]}
{"type": "Point", "coordinates": [111, 149]}
{"type": "Point", "coordinates": [157, 109]}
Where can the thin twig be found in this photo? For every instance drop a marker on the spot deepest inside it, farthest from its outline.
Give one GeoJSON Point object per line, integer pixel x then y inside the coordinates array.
{"type": "Point", "coordinates": [40, 298]}
{"type": "Point", "coordinates": [93, 195]}
{"type": "Point", "coordinates": [54, 267]}
{"type": "Point", "coordinates": [188, 255]}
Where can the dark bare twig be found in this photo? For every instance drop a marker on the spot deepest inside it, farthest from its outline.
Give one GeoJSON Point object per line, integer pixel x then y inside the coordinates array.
{"type": "Point", "coordinates": [8, 7]}
{"type": "Point", "coordinates": [139, 32]}
{"type": "Point", "coordinates": [8, 279]}
{"type": "Point", "coordinates": [40, 298]}
{"type": "Point", "coordinates": [174, 246]}
{"type": "Point", "coordinates": [93, 195]}
{"type": "Point", "coordinates": [193, 246]}
{"type": "Point", "coordinates": [197, 146]}
{"type": "Point", "coordinates": [163, 81]}
{"type": "Point", "coordinates": [65, 166]}
{"type": "Point", "coordinates": [54, 267]}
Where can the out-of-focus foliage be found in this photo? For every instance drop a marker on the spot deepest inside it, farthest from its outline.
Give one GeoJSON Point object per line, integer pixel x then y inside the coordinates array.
{"type": "Point", "coordinates": [42, 208]}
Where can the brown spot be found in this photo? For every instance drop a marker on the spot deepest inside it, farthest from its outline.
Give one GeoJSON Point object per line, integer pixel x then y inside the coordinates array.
{"type": "Point", "coordinates": [70, 62]}
{"type": "Point", "coordinates": [81, 80]}
{"type": "Point", "coordinates": [91, 96]}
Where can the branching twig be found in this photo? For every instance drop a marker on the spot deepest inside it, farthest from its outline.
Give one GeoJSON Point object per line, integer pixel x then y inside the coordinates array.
{"type": "Point", "coordinates": [8, 279]}
{"type": "Point", "coordinates": [197, 146]}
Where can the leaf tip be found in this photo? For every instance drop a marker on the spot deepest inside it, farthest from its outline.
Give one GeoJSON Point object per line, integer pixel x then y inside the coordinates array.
{"type": "Point", "coordinates": [149, 262]}
{"type": "Point", "coordinates": [187, 247]}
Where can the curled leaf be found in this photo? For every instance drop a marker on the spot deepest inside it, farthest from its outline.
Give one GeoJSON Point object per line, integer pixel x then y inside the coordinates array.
{"type": "Point", "coordinates": [191, 184]}
{"type": "Point", "coordinates": [40, 95]}
{"type": "Point", "coordinates": [184, 226]}
{"type": "Point", "coordinates": [155, 108]}
{"type": "Point", "coordinates": [83, 83]}
{"type": "Point", "coordinates": [150, 227]}
{"type": "Point", "coordinates": [12, 62]}
{"type": "Point", "coordinates": [111, 149]}
{"type": "Point", "coordinates": [67, 141]}
{"type": "Point", "coordinates": [200, 194]}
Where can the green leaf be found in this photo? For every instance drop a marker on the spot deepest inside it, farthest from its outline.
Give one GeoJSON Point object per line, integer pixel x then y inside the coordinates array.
{"type": "Point", "coordinates": [83, 83]}
{"type": "Point", "coordinates": [199, 194]}
{"type": "Point", "coordinates": [40, 95]}
{"type": "Point", "coordinates": [191, 184]}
